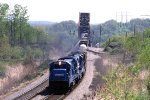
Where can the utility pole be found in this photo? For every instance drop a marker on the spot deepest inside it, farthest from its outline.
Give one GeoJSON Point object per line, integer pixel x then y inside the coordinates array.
{"type": "Point", "coordinates": [126, 23]}
{"type": "Point", "coordinates": [20, 31]}
{"type": "Point", "coordinates": [100, 34]}
{"type": "Point", "coordinates": [121, 19]}
{"type": "Point", "coordinates": [134, 30]}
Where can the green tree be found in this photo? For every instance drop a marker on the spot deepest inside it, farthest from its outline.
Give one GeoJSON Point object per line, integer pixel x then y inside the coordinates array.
{"type": "Point", "coordinates": [4, 47]}
{"type": "Point", "coordinates": [3, 21]}
{"type": "Point", "coordinates": [19, 22]}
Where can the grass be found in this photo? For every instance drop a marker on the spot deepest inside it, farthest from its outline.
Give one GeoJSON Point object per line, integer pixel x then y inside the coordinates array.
{"type": "Point", "coordinates": [119, 86]}
{"type": "Point", "coordinates": [3, 64]}
{"type": "Point", "coordinates": [37, 72]}
{"type": "Point", "coordinates": [2, 68]}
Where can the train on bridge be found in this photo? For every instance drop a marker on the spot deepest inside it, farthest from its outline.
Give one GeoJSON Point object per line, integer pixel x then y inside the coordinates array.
{"type": "Point", "coordinates": [68, 70]}
{"type": "Point", "coordinates": [84, 29]}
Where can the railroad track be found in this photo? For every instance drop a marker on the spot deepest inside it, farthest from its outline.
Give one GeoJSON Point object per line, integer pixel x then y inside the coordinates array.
{"type": "Point", "coordinates": [53, 95]}
{"type": "Point", "coordinates": [34, 88]}
{"type": "Point", "coordinates": [31, 90]}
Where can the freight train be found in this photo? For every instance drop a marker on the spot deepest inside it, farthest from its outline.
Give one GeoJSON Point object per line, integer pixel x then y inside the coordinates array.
{"type": "Point", "coordinates": [67, 71]}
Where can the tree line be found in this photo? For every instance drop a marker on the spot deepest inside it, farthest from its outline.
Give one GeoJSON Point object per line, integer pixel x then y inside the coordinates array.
{"type": "Point", "coordinates": [108, 29]}
{"type": "Point", "coordinates": [135, 48]}
{"type": "Point", "coordinates": [21, 41]}
{"type": "Point", "coordinates": [18, 39]}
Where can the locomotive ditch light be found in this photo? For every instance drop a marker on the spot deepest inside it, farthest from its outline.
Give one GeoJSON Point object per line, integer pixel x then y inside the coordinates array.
{"type": "Point", "coordinates": [59, 63]}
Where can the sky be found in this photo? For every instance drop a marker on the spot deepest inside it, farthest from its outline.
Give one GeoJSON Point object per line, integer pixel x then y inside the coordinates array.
{"type": "Point", "coordinates": [100, 10]}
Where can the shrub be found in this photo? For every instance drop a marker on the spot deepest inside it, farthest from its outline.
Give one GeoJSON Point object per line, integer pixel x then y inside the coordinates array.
{"type": "Point", "coordinates": [118, 86]}
{"type": "Point", "coordinates": [32, 54]}
{"type": "Point", "coordinates": [37, 53]}
{"type": "Point", "coordinates": [2, 69]}
{"type": "Point", "coordinates": [16, 53]}
{"type": "Point", "coordinates": [4, 47]}
{"type": "Point", "coordinates": [148, 84]}
{"type": "Point", "coordinates": [144, 57]}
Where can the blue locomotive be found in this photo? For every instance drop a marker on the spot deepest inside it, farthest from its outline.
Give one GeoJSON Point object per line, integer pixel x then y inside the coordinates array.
{"type": "Point", "coordinates": [81, 62]}
{"type": "Point", "coordinates": [66, 71]}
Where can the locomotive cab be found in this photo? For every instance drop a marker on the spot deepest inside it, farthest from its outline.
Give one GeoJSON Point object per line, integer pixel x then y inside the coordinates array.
{"type": "Point", "coordinates": [62, 73]}
{"type": "Point", "coordinates": [59, 71]}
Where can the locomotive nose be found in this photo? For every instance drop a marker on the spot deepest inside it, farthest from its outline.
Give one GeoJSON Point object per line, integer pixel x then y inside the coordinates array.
{"type": "Point", "coordinates": [58, 74]}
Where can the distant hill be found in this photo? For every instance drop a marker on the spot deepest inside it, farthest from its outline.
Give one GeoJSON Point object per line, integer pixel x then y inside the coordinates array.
{"type": "Point", "coordinates": [109, 28]}
{"type": "Point", "coordinates": [41, 23]}
{"type": "Point", "coordinates": [64, 26]}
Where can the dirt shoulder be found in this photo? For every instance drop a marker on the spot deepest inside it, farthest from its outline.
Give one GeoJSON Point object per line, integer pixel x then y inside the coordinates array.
{"type": "Point", "coordinates": [83, 87]}
{"type": "Point", "coordinates": [102, 65]}
{"type": "Point", "coordinates": [28, 76]}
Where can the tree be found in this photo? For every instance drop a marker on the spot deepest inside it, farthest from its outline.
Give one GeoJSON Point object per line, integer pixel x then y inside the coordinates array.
{"type": "Point", "coordinates": [3, 22]}
{"type": "Point", "coordinates": [4, 47]}
{"type": "Point", "coordinates": [19, 21]}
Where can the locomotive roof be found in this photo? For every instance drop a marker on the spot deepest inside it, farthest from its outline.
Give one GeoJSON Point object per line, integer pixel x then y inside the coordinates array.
{"type": "Point", "coordinates": [68, 57]}
{"type": "Point", "coordinates": [59, 62]}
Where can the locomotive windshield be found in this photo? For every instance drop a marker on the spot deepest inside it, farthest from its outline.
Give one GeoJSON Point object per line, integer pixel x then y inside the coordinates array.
{"type": "Point", "coordinates": [60, 66]}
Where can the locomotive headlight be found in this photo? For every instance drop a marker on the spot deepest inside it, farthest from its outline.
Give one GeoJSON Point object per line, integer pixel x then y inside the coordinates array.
{"type": "Point", "coordinates": [59, 63]}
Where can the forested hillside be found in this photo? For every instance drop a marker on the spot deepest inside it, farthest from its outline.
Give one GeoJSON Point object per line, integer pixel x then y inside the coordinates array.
{"type": "Point", "coordinates": [18, 38]}
{"type": "Point", "coordinates": [112, 27]}
{"type": "Point", "coordinates": [20, 42]}
{"type": "Point", "coordinates": [108, 29]}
